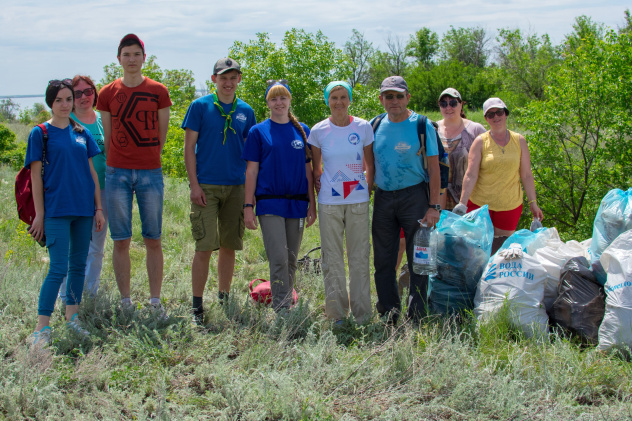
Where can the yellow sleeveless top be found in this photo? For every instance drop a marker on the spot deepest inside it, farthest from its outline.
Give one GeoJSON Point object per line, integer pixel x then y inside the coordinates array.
{"type": "Point", "coordinates": [498, 184]}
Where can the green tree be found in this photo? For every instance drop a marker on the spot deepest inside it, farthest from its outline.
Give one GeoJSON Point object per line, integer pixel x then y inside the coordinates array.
{"type": "Point", "coordinates": [525, 64]}
{"type": "Point", "coordinates": [467, 45]}
{"type": "Point", "coordinates": [423, 46]}
{"type": "Point", "coordinates": [309, 61]}
{"type": "Point", "coordinates": [8, 109]}
{"type": "Point", "coordinates": [388, 63]}
{"type": "Point", "coordinates": [11, 152]}
{"type": "Point", "coordinates": [475, 84]}
{"type": "Point", "coordinates": [628, 22]}
{"type": "Point", "coordinates": [35, 115]}
{"type": "Point", "coordinates": [584, 29]}
{"type": "Point", "coordinates": [580, 135]}
{"type": "Point", "coordinates": [359, 51]}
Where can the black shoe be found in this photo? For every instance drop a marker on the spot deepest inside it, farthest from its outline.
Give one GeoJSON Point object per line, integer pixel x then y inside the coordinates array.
{"type": "Point", "coordinates": [198, 316]}
{"type": "Point", "coordinates": [223, 297]}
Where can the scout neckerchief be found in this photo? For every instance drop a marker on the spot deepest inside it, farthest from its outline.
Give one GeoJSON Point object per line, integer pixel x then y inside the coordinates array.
{"type": "Point", "coordinates": [228, 116]}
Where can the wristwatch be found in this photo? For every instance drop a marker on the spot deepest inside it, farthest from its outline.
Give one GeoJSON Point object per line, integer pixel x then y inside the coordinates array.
{"type": "Point", "coordinates": [435, 207]}
{"type": "Point", "coordinates": [248, 205]}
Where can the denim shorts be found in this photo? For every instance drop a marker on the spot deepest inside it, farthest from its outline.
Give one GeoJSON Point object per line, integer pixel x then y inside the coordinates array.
{"type": "Point", "coordinates": [120, 186]}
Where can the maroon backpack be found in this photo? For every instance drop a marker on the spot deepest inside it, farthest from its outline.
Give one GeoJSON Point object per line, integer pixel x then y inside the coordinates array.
{"type": "Point", "coordinates": [24, 187]}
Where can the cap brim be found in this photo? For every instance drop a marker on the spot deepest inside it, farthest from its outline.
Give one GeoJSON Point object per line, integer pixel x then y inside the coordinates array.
{"type": "Point", "coordinates": [227, 70]}
{"type": "Point", "coordinates": [392, 89]}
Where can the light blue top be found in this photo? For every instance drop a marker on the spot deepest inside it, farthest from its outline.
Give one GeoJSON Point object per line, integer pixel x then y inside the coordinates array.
{"type": "Point", "coordinates": [397, 164]}
{"type": "Point", "coordinates": [98, 161]}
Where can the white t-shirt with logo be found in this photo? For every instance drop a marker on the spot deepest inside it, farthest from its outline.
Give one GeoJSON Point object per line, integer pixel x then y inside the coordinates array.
{"type": "Point", "coordinates": [342, 149]}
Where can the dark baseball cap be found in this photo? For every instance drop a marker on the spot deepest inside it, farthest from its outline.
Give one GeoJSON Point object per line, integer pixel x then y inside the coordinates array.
{"type": "Point", "coordinates": [394, 83]}
{"type": "Point", "coordinates": [126, 39]}
{"type": "Point", "coordinates": [225, 64]}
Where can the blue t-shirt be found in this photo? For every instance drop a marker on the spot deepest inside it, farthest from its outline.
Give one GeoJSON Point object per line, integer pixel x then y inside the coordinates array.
{"type": "Point", "coordinates": [280, 151]}
{"type": "Point", "coordinates": [397, 164]}
{"type": "Point", "coordinates": [68, 183]}
{"type": "Point", "coordinates": [219, 162]}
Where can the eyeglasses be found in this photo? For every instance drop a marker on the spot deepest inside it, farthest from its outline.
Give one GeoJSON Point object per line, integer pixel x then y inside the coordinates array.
{"type": "Point", "coordinates": [55, 83]}
{"type": "Point", "coordinates": [390, 97]}
{"type": "Point", "coordinates": [497, 112]}
{"type": "Point", "coordinates": [452, 103]}
{"type": "Point", "coordinates": [86, 92]}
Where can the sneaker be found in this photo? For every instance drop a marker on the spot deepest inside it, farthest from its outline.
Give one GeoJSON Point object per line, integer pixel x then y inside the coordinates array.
{"type": "Point", "coordinates": [127, 304]}
{"type": "Point", "coordinates": [39, 338]}
{"type": "Point", "coordinates": [159, 311]}
{"type": "Point", "coordinates": [75, 326]}
{"type": "Point", "coordinates": [198, 317]}
{"type": "Point", "coordinates": [222, 297]}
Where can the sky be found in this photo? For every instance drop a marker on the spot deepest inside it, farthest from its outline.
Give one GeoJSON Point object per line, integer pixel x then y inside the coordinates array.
{"type": "Point", "coordinates": [44, 40]}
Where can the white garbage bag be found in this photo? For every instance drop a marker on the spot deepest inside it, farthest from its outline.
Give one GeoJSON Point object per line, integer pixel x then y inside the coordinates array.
{"type": "Point", "coordinates": [515, 279]}
{"type": "Point", "coordinates": [616, 327]}
{"type": "Point", "coordinates": [553, 256]}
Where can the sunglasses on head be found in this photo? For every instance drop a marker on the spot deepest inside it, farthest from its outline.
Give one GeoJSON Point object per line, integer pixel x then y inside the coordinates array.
{"type": "Point", "coordinates": [281, 81]}
{"type": "Point", "coordinates": [497, 112]}
{"type": "Point", "coordinates": [86, 92]}
{"type": "Point", "coordinates": [452, 103]}
{"type": "Point", "coordinates": [391, 96]}
{"type": "Point", "coordinates": [57, 83]}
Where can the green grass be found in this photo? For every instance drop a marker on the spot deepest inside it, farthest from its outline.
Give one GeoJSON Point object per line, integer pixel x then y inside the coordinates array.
{"type": "Point", "coordinates": [247, 364]}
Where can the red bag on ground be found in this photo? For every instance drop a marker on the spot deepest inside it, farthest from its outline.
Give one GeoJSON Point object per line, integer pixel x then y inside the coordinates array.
{"type": "Point", "coordinates": [263, 294]}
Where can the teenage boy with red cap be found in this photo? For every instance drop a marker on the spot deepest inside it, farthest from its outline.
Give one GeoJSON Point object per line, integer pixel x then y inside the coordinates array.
{"type": "Point", "coordinates": [135, 114]}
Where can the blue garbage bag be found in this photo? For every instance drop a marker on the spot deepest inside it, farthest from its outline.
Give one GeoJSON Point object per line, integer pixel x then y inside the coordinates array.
{"type": "Point", "coordinates": [464, 244]}
{"type": "Point", "coordinates": [530, 240]}
{"type": "Point", "coordinates": [614, 217]}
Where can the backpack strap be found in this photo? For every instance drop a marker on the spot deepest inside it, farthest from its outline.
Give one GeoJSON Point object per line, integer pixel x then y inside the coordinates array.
{"type": "Point", "coordinates": [421, 133]}
{"type": "Point", "coordinates": [375, 123]}
{"type": "Point", "coordinates": [44, 144]}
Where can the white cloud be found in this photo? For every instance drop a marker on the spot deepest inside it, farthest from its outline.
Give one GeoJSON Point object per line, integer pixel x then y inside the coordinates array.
{"type": "Point", "coordinates": [43, 40]}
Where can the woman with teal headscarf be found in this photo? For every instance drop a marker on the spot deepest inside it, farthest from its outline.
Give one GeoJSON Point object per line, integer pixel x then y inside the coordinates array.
{"type": "Point", "coordinates": [343, 173]}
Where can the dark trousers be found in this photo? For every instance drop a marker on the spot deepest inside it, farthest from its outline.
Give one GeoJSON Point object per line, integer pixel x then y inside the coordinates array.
{"type": "Point", "coordinates": [393, 210]}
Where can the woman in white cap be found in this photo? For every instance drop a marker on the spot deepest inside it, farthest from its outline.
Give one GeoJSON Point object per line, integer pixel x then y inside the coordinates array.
{"type": "Point", "coordinates": [457, 134]}
{"type": "Point", "coordinates": [342, 146]}
{"type": "Point", "coordinates": [499, 161]}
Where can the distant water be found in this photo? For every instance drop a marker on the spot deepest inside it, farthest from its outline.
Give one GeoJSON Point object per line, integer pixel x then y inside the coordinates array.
{"type": "Point", "coordinates": [26, 102]}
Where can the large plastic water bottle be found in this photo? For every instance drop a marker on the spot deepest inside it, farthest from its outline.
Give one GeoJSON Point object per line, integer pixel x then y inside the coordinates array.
{"type": "Point", "coordinates": [425, 251]}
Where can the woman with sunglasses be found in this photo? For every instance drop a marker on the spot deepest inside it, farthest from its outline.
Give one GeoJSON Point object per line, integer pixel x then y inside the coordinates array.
{"type": "Point", "coordinates": [67, 200]}
{"type": "Point", "coordinates": [499, 161]}
{"type": "Point", "coordinates": [457, 134]}
{"type": "Point", "coordinates": [341, 144]}
{"type": "Point", "coordinates": [86, 95]}
{"type": "Point", "coordinates": [279, 183]}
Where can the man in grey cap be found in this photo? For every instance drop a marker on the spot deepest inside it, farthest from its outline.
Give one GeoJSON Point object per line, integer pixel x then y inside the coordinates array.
{"type": "Point", "coordinates": [216, 127]}
{"type": "Point", "coordinates": [407, 191]}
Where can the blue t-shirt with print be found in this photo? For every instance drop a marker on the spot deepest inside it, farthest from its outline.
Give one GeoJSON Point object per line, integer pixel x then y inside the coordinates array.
{"type": "Point", "coordinates": [219, 162]}
{"type": "Point", "coordinates": [68, 183]}
{"type": "Point", "coordinates": [397, 164]}
{"type": "Point", "coordinates": [280, 151]}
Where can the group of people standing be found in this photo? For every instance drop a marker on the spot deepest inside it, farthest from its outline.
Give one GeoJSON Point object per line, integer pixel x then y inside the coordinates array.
{"type": "Point", "coordinates": [270, 174]}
